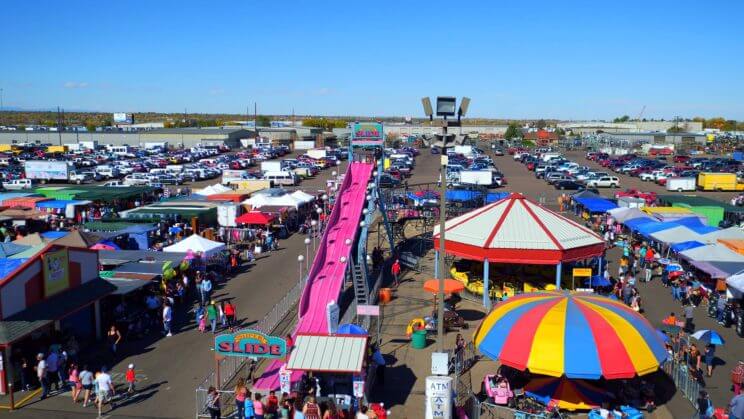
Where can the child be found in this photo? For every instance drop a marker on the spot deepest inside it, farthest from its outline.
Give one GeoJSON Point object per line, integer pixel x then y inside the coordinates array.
{"type": "Point", "coordinates": [201, 319]}
{"type": "Point", "coordinates": [130, 377]}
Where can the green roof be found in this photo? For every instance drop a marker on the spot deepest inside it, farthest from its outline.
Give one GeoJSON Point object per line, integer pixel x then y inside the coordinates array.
{"type": "Point", "coordinates": [699, 201]}
{"type": "Point", "coordinates": [109, 194]}
{"type": "Point", "coordinates": [109, 226]}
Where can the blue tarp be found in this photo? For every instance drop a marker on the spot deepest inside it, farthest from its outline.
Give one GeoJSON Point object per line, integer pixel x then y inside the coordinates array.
{"type": "Point", "coordinates": [496, 196]}
{"type": "Point", "coordinates": [682, 246]}
{"type": "Point", "coordinates": [9, 265]}
{"type": "Point", "coordinates": [460, 195]}
{"type": "Point", "coordinates": [57, 203]}
{"type": "Point", "coordinates": [634, 223]}
{"type": "Point", "coordinates": [596, 204]}
{"type": "Point", "coordinates": [10, 249]}
{"type": "Point", "coordinates": [598, 281]}
{"type": "Point", "coordinates": [647, 229]}
{"type": "Point", "coordinates": [695, 224]}
{"type": "Point", "coordinates": [53, 235]}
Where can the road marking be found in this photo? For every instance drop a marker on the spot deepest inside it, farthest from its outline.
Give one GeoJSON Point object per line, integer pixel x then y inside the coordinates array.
{"type": "Point", "coordinates": [21, 402]}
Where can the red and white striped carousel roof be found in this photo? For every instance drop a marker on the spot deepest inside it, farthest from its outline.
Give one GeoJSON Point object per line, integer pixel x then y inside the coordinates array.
{"type": "Point", "coordinates": [517, 230]}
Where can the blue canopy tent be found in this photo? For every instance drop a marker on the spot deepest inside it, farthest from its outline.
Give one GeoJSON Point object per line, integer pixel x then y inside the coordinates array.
{"type": "Point", "coordinates": [54, 235]}
{"type": "Point", "coordinates": [496, 196]}
{"type": "Point", "coordinates": [690, 244]}
{"type": "Point", "coordinates": [461, 195]}
{"type": "Point", "coordinates": [138, 236]}
{"type": "Point", "coordinates": [596, 204]}
{"type": "Point", "coordinates": [634, 223]}
{"type": "Point", "coordinates": [648, 228]}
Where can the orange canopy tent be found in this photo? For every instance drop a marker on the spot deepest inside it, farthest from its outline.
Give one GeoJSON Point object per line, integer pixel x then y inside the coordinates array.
{"type": "Point", "coordinates": [737, 245]}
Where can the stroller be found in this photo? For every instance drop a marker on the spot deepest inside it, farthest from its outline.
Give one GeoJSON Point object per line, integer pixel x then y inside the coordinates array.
{"type": "Point", "coordinates": [451, 319]}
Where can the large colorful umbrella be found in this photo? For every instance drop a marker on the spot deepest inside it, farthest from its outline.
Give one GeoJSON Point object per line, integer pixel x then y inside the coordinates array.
{"type": "Point", "coordinates": [566, 394]}
{"type": "Point", "coordinates": [578, 335]}
{"type": "Point", "coordinates": [450, 286]}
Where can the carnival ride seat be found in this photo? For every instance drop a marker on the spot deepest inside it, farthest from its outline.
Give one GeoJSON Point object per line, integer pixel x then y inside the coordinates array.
{"type": "Point", "coordinates": [498, 389]}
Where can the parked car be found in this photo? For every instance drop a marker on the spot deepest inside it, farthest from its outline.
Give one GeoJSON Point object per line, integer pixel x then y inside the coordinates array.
{"type": "Point", "coordinates": [568, 184]}
{"type": "Point", "coordinates": [604, 182]}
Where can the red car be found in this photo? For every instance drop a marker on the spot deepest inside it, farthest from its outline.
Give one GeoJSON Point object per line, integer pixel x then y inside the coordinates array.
{"type": "Point", "coordinates": [649, 197]}
{"type": "Point", "coordinates": [681, 159]}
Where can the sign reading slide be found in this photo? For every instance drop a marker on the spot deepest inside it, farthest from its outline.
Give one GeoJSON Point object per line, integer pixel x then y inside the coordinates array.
{"type": "Point", "coordinates": [582, 272]}
{"type": "Point", "coordinates": [367, 133]}
{"type": "Point", "coordinates": [250, 343]}
{"type": "Point", "coordinates": [56, 275]}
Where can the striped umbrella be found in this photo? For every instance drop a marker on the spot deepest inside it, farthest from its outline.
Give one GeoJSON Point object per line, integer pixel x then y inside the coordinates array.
{"type": "Point", "coordinates": [578, 335]}
{"type": "Point", "coordinates": [566, 394]}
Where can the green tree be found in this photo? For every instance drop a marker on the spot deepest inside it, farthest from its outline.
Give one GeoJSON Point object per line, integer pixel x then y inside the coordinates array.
{"type": "Point", "coordinates": [624, 118]}
{"type": "Point", "coordinates": [263, 121]}
{"type": "Point", "coordinates": [90, 126]}
{"type": "Point", "coordinates": [675, 129]}
{"type": "Point", "coordinates": [541, 124]}
{"type": "Point", "coordinates": [512, 131]}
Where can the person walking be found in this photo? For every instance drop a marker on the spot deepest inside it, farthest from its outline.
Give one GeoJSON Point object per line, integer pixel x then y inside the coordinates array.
{"type": "Point", "coordinates": [240, 392]}
{"type": "Point", "coordinates": [230, 314]}
{"type": "Point", "coordinates": [212, 316]}
{"type": "Point", "coordinates": [86, 381]}
{"type": "Point", "coordinates": [213, 403]}
{"type": "Point", "coordinates": [737, 377]}
{"type": "Point", "coordinates": [167, 319]}
{"type": "Point", "coordinates": [271, 408]}
{"type": "Point", "coordinates": [689, 311]}
{"type": "Point", "coordinates": [311, 409]}
{"type": "Point", "coordinates": [206, 290]}
{"type": "Point", "coordinates": [395, 270]}
{"type": "Point", "coordinates": [704, 406]}
{"type": "Point", "coordinates": [131, 378]}
{"type": "Point", "coordinates": [709, 357]}
{"type": "Point", "coordinates": [250, 412]}
{"type": "Point", "coordinates": [41, 373]}
{"type": "Point", "coordinates": [74, 379]}
{"type": "Point", "coordinates": [105, 389]}
{"type": "Point", "coordinates": [258, 406]}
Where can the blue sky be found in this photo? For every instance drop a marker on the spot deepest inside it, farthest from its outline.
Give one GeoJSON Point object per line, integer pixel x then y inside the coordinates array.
{"type": "Point", "coordinates": [524, 59]}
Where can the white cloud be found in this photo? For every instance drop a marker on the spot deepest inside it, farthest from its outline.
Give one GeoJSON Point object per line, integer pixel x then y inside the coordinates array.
{"type": "Point", "coordinates": [216, 91]}
{"type": "Point", "coordinates": [76, 85]}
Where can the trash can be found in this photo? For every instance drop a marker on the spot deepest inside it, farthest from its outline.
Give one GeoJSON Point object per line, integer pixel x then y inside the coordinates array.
{"type": "Point", "coordinates": [386, 295]}
{"type": "Point", "coordinates": [418, 339]}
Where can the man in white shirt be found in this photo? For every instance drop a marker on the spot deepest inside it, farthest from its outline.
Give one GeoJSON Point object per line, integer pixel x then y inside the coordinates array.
{"type": "Point", "coordinates": [105, 388]}
{"type": "Point", "coordinates": [41, 372]}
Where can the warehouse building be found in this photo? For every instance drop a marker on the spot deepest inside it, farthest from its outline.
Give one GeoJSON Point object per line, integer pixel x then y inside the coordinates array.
{"type": "Point", "coordinates": [189, 137]}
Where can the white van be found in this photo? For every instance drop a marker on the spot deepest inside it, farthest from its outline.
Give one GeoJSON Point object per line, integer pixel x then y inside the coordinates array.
{"type": "Point", "coordinates": [107, 172]}
{"type": "Point", "coordinates": [121, 151]}
{"type": "Point", "coordinates": [283, 177]}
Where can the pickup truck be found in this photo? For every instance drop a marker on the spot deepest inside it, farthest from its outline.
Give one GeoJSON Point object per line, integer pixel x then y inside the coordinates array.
{"type": "Point", "coordinates": [18, 184]}
{"type": "Point", "coordinates": [115, 184]}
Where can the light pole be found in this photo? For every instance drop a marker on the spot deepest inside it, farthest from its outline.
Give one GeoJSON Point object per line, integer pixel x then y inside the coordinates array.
{"type": "Point", "coordinates": [300, 258]}
{"type": "Point", "coordinates": [325, 203]}
{"type": "Point", "coordinates": [313, 223]}
{"type": "Point", "coordinates": [446, 106]}
{"type": "Point", "coordinates": [307, 252]}
{"type": "Point", "coordinates": [320, 222]}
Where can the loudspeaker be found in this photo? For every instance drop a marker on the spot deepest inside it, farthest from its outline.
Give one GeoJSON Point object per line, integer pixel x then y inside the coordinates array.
{"type": "Point", "coordinates": [464, 103]}
{"type": "Point", "coordinates": [427, 106]}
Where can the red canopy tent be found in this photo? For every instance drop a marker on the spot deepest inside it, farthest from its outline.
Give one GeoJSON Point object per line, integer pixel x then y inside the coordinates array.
{"type": "Point", "coordinates": [517, 230]}
{"type": "Point", "coordinates": [255, 217]}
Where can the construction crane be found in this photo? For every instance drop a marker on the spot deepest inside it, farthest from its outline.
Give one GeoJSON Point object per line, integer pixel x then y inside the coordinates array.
{"type": "Point", "coordinates": [640, 114]}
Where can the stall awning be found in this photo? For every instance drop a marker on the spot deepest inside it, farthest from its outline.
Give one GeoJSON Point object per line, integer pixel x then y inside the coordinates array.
{"type": "Point", "coordinates": [596, 204]}
{"type": "Point", "coordinates": [255, 217]}
{"type": "Point", "coordinates": [54, 308]}
{"type": "Point", "coordinates": [126, 285]}
{"type": "Point", "coordinates": [338, 353]}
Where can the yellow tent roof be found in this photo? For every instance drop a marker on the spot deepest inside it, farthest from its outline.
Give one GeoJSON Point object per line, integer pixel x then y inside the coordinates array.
{"type": "Point", "coordinates": [666, 210]}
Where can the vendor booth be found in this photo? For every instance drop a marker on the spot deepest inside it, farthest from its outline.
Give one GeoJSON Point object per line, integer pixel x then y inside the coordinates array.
{"type": "Point", "coordinates": [197, 244]}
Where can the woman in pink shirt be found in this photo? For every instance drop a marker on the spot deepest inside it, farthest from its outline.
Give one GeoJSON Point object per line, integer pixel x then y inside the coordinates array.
{"type": "Point", "coordinates": [258, 407]}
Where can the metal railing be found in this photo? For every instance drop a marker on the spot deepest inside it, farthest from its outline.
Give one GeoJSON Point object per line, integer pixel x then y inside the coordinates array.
{"type": "Point", "coordinates": [685, 382]}
{"type": "Point", "coordinates": [463, 360]}
{"type": "Point", "coordinates": [230, 366]}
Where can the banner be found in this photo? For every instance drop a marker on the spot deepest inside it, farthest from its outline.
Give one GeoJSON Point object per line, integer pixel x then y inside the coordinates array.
{"type": "Point", "coordinates": [367, 133]}
{"type": "Point", "coordinates": [250, 343]}
{"type": "Point", "coordinates": [56, 275]}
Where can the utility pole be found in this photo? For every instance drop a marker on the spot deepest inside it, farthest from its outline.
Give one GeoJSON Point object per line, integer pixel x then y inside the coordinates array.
{"type": "Point", "coordinates": [59, 125]}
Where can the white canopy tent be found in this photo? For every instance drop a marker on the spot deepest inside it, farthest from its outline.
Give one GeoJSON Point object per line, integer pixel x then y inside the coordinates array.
{"type": "Point", "coordinates": [213, 190]}
{"type": "Point", "coordinates": [303, 197]}
{"type": "Point", "coordinates": [726, 233]}
{"type": "Point", "coordinates": [622, 215]}
{"type": "Point", "coordinates": [676, 235]}
{"type": "Point", "coordinates": [196, 243]}
{"type": "Point", "coordinates": [262, 200]}
{"type": "Point", "coordinates": [712, 253]}
{"type": "Point", "coordinates": [736, 284]}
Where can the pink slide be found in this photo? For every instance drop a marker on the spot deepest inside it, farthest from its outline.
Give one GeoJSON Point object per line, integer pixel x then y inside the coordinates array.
{"type": "Point", "coordinates": [327, 273]}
